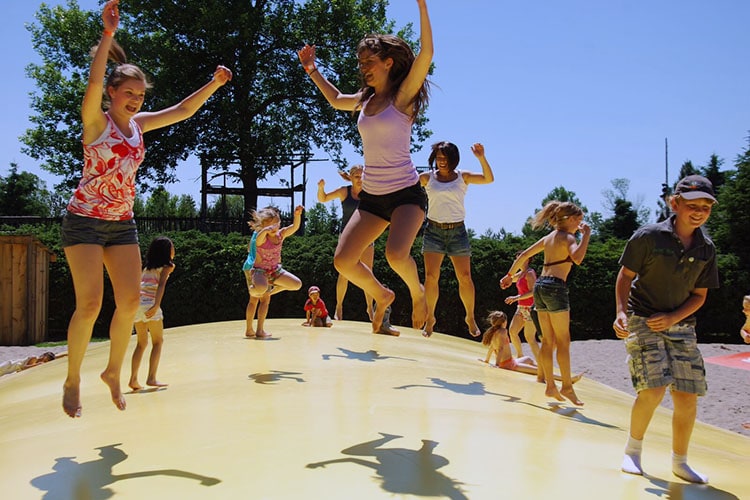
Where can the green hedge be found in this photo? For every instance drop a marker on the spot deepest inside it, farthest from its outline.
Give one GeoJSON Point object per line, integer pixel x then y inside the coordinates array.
{"type": "Point", "coordinates": [208, 285]}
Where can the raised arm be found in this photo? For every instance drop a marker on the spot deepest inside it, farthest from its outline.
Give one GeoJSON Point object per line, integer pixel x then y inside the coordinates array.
{"type": "Point", "coordinates": [290, 230]}
{"type": "Point", "coordinates": [421, 66]}
{"type": "Point", "coordinates": [486, 176]}
{"type": "Point", "coordinates": [187, 107]}
{"type": "Point", "coordinates": [92, 115]}
{"type": "Point", "coordinates": [346, 102]}
{"type": "Point", "coordinates": [336, 194]}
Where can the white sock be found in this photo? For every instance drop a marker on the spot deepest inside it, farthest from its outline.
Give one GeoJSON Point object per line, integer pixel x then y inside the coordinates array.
{"type": "Point", "coordinates": [681, 469]}
{"type": "Point", "coordinates": [631, 462]}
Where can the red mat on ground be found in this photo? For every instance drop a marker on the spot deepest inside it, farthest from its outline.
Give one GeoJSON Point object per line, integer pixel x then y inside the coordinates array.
{"type": "Point", "coordinates": [739, 360]}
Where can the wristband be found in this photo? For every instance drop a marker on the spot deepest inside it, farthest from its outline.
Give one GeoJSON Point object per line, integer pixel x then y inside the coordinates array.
{"type": "Point", "coordinates": [313, 70]}
{"type": "Point", "coordinates": [109, 33]}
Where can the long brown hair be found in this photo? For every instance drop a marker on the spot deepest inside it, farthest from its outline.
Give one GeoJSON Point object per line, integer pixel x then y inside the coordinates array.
{"type": "Point", "coordinates": [385, 46]}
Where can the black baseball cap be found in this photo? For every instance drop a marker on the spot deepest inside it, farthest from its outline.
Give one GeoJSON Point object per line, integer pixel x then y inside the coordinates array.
{"type": "Point", "coordinates": [693, 187]}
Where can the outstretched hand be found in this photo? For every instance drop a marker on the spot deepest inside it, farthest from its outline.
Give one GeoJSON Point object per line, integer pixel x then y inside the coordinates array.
{"type": "Point", "coordinates": [111, 15]}
{"type": "Point", "coordinates": [477, 149]}
{"type": "Point", "coordinates": [307, 57]}
{"type": "Point", "coordinates": [222, 74]}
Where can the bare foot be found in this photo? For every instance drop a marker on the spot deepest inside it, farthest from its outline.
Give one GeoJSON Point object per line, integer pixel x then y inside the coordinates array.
{"type": "Point", "coordinates": [576, 378]}
{"type": "Point", "coordinates": [133, 384]}
{"type": "Point", "coordinates": [571, 395]}
{"type": "Point", "coordinates": [71, 400]}
{"type": "Point", "coordinates": [262, 335]}
{"type": "Point", "coordinates": [156, 383]}
{"type": "Point", "coordinates": [339, 315]}
{"type": "Point", "coordinates": [552, 392]}
{"type": "Point", "coordinates": [419, 309]}
{"type": "Point", "coordinates": [250, 334]}
{"type": "Point", "coordinates": [114, 388]}
{"type": "Point", "coordinates": [474, 330]}
{"type": "Point", "coordinates": [428, 327]}
{"type": "Point", "coordinates": [746, 425]}
{"type": "Point", "coordinates": [377, 318]}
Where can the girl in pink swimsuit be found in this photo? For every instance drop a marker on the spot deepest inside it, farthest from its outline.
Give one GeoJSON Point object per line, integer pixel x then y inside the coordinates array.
{"type": "Point", "coordinates": [393, 92]}
{"type": "Point", "coordinates": [98, 231]}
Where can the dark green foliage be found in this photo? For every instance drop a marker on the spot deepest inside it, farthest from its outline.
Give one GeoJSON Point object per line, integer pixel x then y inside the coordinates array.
{"type": "Point", "coordinates": [208, 284]}
{"type": "Point", "coordinates": [23, 193]}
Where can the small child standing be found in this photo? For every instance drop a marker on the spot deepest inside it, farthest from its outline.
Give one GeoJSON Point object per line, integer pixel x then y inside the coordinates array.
{"type": "Point", "coordinates": [316, 313]}
{"type": "Point", "coordinates": [561, 251]}
{"type": "Point", "coordinates": [157, 267]}
{"type": "Point", "coordinates": [266, 277]}
{"type": "Point", "coordinates": [666, 271]}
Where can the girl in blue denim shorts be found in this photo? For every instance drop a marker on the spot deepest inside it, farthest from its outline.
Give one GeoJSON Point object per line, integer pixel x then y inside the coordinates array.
{"type": "Point", "coordinates": [561, 250]}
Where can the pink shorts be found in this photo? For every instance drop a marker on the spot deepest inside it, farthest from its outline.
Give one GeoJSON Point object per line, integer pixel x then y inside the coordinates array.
{"type": "Point", "coordinates": [509, 364]}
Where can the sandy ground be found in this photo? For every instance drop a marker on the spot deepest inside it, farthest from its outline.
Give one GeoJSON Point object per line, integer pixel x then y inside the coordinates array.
{"type": "Point", "coordinates": [727, 404]}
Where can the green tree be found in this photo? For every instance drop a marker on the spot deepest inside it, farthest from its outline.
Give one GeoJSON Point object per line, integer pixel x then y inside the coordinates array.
{"type": "Point", "coordinates": [730, 219]}
{"type": "Point", "coordinates": [161, 204]}
{"type": "Point", "coordinates": [322, 220]}
{"type": "Point", "coordinates": [627, 215]}
{"type": "Point", "coordinates": [23, 193]}
{"type": "Point", "coordinates": [229, 206]}
{"type": "Point", "coordinates": [687, 168]}
{"type": "Point", "coordinates": [712, 171]}
{"type": "Point", "coordinates": [186, 206]}
{"type": "Point", "coordinates": [268, 114]}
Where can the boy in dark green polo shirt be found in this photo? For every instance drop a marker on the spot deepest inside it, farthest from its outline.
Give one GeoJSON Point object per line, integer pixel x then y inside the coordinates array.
{"type": "Point", "coordinates": [667, 269]}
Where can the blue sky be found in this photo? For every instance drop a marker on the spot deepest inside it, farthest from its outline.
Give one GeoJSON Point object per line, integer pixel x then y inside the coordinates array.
{"type": "Point", "coordinates": [571, 94]}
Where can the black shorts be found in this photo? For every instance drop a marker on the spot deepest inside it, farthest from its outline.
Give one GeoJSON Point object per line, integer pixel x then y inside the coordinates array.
{"type": "Point", "coordinates": [78, 230]}
{"type": "Point", "coordinates": [383, 205]}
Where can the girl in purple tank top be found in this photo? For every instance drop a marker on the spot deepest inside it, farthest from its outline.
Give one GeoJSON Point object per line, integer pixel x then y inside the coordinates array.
{"type": "Point", "coordinates": [394, 91]}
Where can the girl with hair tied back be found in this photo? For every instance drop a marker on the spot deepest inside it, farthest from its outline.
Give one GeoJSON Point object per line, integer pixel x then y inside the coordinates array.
{"type": "Point", "coordinates": [98, 230]}
{"type": "Point", "coordinates": [561, 250]}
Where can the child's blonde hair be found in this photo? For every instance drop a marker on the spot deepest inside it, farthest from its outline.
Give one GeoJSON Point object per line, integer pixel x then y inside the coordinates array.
{"type": "Point", "coordinates": [497, 321]}
{"type": "Point", "coordinates": [554, 213]}
{"type": "Point", "coordinates": [259, 217]}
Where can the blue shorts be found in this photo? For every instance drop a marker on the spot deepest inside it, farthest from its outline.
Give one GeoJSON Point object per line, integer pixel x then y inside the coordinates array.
{"type": "Point", "coordinates": [551, 295]}
{"type": "Point", "coordinates": [76, 230]}
{"type": "Point", "coordinates": [667, 358]}
{"type": "Point", "coordinates": [383, 205]}
{"type": "Point", "coordinates": [452, 242]}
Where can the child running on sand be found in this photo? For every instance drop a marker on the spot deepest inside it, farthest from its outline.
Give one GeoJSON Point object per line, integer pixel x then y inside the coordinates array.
{"type": "Point", "coordinates": [157, 267]}
{"type": "Point", "coordinates": [498, 342]}
{"type": "Point", "coordinates": [266, 277]}
{"type": "Point", "coordinates": [561, 251]}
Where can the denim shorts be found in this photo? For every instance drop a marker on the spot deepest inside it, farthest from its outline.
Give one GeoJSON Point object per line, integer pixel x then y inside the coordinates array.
{"type": "Point", "coordinates": [77, 230]}
{"type": "Point", "coordinates": [383, 205]}
{"type": "Point", "coordinates": [551, 295]}
{"type": "Point", "coordinates": [667, 358]}
{"type": "Point", "coordinates": [452, 242]}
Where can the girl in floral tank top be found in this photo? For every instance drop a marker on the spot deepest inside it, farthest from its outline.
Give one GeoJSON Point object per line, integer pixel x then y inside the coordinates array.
{"type": "Point", "coordinates": [98, 231]}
